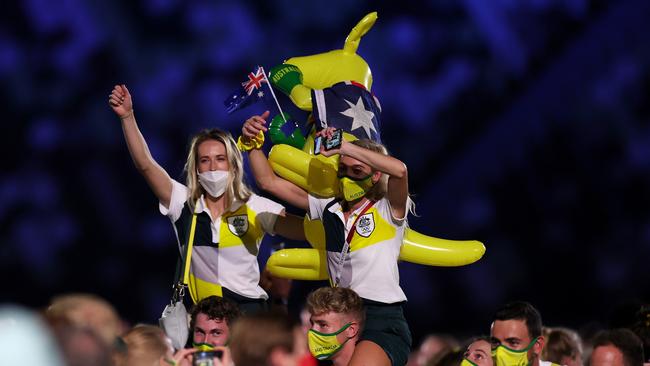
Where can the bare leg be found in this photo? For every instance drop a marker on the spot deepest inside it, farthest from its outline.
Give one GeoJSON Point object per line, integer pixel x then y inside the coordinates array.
{"type": "Point", "coordinates": [370, 354]}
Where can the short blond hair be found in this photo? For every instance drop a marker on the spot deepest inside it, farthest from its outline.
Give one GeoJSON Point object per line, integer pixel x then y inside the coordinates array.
{"type": "Point", "coordinates": [146, 344]}
{"type": "Point", "coordinates": [336, 300]}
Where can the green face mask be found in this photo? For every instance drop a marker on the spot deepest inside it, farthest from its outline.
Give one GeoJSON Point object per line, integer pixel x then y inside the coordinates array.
{"type": "Point", "coordinates": [505, 356]}
{"type": "Point", "coordinates": [466, 362]}
{"type": "Point", "coordinates": [325, 345]}
{"type": "Point", "coordinates": [353, 189]}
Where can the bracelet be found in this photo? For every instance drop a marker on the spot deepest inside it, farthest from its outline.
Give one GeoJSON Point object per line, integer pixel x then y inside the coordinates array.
{"type": "Point", "coordinates": [127, 116]}
{"type": "Point", "coordinates": [251, 143]}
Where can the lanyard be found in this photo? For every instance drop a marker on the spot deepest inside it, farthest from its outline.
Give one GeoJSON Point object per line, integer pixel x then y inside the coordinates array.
{"type": "Point", "coordinates": [348, 240]}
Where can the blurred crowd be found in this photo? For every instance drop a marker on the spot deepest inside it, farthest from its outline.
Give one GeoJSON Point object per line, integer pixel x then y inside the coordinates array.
{"type": "Point", "coordinates": [85, 329]}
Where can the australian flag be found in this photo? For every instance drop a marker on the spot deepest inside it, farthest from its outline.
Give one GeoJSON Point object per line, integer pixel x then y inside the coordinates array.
{"type": "Point", "coordinates": [349, 106]}
{"type": "Point", "coordinates": [255, 88]}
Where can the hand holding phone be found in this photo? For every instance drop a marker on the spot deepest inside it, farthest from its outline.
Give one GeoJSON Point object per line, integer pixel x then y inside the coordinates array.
{"type": "Point", "coordinates": [335, 141]}
{"type": "Point", "coordinates": [206, 358]}
{"type": "Point", "coordinates": [318, 142]}
{"type": "Point", "coordinates": [332, 142]}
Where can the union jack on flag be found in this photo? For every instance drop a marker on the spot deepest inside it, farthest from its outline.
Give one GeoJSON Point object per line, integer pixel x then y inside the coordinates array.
{"type": "Point", "coordinates": [255, 80]}
{"type": "Point", "coordinates": [254, 89]}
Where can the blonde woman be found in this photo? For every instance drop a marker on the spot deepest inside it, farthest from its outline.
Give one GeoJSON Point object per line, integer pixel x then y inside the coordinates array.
{"type": "Point", "coordinates": [230, 220]}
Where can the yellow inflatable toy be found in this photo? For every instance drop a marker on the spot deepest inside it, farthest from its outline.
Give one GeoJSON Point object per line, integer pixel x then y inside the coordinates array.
{"type": "Point", "coordinates": [297, 77]}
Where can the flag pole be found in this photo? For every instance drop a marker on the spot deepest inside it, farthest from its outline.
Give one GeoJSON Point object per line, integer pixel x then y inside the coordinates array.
{"type": "Point", "coordinates": [273, 94]}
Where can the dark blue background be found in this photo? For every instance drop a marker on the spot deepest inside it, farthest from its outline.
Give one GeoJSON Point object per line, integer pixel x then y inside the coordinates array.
{"type": "Point", "coordinates": [524, 124]}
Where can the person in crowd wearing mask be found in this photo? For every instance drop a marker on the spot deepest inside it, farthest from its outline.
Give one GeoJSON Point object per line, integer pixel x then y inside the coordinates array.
{"type": "Point", "coordinates": [563, 346]}
{"type": "Point", "coordinates": [336, 315]}
{"type": "Point", "coordinates": [478, 353]}
{"type": "Point", "coordinates": [617, 347]}
{"type": "Point", "coordinates": [211, 321]}
{"type": "Point", "coordinates": [517, 335]}
{"type": "Point", "coordinates": [364, 230]}
{"type": "Point", "coordinates": [215, 211]}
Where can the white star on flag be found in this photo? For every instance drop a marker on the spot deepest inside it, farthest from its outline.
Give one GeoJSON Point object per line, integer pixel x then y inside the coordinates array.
{"type": "Point", "coordinates": [260, 93]}
{"type": "Point", "coordinates": [361, 117]}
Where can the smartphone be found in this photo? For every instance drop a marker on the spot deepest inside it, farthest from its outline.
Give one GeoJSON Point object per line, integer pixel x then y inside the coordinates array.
{"type": "Point", "coordinates": [206, 358]}
{"type": "Point", "coordinates": [317, 144]}
{"type": "Point", "coordinates": [334, 141]}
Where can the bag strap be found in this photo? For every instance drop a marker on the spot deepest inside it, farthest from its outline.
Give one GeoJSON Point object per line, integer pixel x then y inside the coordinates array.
{"type": "Point", "coordinates": [348, 240]}
{"type": "Point", "coordinates": [188, 254]}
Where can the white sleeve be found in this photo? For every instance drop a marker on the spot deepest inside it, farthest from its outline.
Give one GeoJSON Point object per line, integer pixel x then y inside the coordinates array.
{"type": "Point", "coordinates": [176, 202]}
{"type": "Point", "coordinates": [387, 211]}
{"type": "Point", "coordinates": [316, 207]}
{"type": "Point", "coordinates": [266, 211]}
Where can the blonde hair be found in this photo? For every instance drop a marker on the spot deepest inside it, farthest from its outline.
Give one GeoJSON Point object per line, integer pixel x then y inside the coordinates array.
{"type": "Point", "coordinates": [338, 300]}
{"type": "Point", "coordinates": [146, 344]}
{"type": "Point", "coordinates": [379, 190]}
{"type": "Point", "coordinates": [236, 188]}
{"type": "Point", "coordinates": [88, 311]}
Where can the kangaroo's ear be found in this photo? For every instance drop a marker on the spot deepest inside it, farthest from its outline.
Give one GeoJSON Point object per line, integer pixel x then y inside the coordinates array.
{"type": "Point", "coordinates": [364, 25]}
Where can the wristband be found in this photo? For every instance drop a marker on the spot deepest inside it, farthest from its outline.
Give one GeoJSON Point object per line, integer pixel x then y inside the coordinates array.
{"type": "Point", "coordinates": [251, 143]}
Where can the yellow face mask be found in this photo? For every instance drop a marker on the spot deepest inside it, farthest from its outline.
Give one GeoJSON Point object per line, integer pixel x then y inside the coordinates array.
{"type": "Point", "coordinates": [203, 346]}
{"type": "Point", "coordinates": [325, 345]}
{"type": "Point", "coordinates": [353, 189]}
{"type": "Point", "coordinates": [504, 356]}
{"type": "Point", "coordinates": [466, 362]}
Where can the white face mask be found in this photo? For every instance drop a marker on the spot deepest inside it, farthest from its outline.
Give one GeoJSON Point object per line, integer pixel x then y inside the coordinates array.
{"type": "Point", "coordinates": [214, 182]}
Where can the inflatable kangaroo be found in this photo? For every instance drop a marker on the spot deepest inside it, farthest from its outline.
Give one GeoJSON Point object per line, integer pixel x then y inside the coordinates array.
{"type": "Point", "coordinates": [300, 78]}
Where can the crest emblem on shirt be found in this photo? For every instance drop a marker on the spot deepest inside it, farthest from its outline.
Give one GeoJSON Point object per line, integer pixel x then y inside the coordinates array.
{"type": "Point", "coordinates": [238, 224]}
{"type": "Point", "coordinates": [366, 225]}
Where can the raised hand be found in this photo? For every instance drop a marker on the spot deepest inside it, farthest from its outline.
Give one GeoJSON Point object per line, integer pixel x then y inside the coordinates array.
{"type": "Point", "coordinates": [120, 101]}
{"type": "Point", "coordinates": [254, 125]}
{"type": "Point", "coordinates": [325, 134]}
{"type": "Point", "coordinates": [182, 357]}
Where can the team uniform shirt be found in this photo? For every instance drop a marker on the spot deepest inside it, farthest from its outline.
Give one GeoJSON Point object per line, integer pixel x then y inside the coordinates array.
{"type": "Point", "coordinates": [225, 248]}
{"type": "Point", "coordinates": [370, 266]}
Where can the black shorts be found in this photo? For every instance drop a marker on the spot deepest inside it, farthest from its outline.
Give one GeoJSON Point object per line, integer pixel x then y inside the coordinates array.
{"type": "Point", "coordinates": [386, 326]}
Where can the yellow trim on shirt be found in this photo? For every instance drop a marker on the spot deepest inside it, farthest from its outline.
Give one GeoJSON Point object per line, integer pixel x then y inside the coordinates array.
{"type": "Point", "coordinates": [382, 231]}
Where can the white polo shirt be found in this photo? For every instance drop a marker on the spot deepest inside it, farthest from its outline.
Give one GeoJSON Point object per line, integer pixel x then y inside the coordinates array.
{"type": "Point", "coordinates": [370, 266]}
{"type": "Point", "coordinates": [225, 248]}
